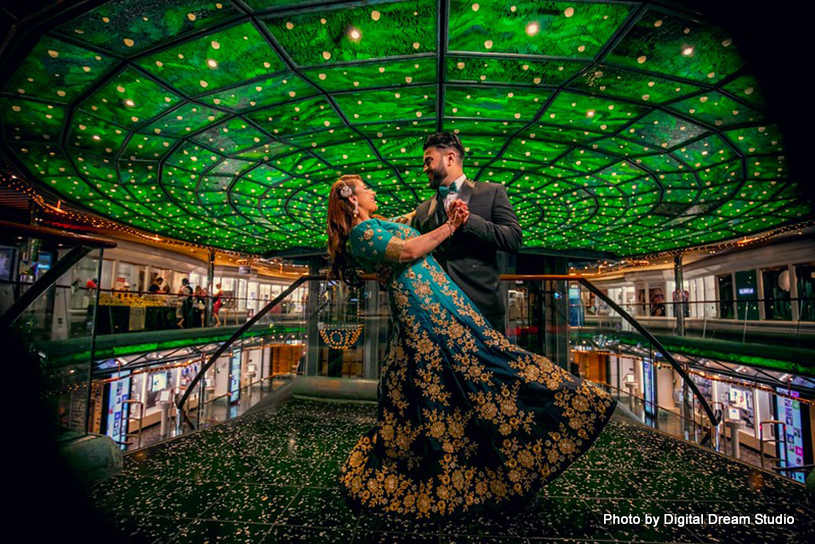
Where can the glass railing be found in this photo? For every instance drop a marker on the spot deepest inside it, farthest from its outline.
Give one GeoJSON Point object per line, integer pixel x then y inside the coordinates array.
{"type": "Point", "coordinates": [102, 376]}
{"type": "Point", "coordinates": [115, 363]}
{"type": "Point", "coordinates": [758, 321]}
{"type": "Point", "coordinates": [546, 315]}
{"type": "Point", "coordinates": [69, 310]}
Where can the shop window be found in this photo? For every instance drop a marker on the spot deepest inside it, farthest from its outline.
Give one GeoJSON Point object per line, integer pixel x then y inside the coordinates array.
{"type": "Point", "coordinates": [742, 400]}
{"type": "Point", "coordinates": [777, 293]}
{"type": "Point", "coordinates": [726, 307]}
{"type": "Point", "coordinates": [805, 274]}
{"type": "Point", "coordinates": [747, 295]}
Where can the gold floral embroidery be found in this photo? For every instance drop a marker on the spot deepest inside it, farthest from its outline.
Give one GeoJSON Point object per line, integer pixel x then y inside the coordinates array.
{"type": "Point", "coordinates": [431, 336]}
{"type": "Point", "coordinates": [368, 234]}
{"type": "Point", "coordinates": [393, 251]}
{"type": "Point", "coordinates": [502, 409]}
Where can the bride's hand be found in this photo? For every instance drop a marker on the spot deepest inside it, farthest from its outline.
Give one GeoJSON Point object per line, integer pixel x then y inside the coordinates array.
{"type": "Point", "coordinates": [459, 217]}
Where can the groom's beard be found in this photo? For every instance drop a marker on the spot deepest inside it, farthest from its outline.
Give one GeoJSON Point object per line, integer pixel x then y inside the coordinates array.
{"type": "Point", "coordinates": [437, 176]}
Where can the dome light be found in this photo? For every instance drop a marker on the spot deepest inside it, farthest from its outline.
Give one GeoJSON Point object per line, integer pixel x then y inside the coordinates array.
{"type": "Point", "coordinates": [687, 51]}
{"type": "Point", "coordinates": [212, 63]}
{"type": "Point", "coordinates": [354, 34]}
{"type": "Point", "coordinates": [532, 28]}
{"type": "Point", "coordinates": [130, 103]}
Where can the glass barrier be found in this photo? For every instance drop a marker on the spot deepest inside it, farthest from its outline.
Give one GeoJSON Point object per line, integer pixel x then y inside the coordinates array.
{"type": "Point", "coordinates": [48, 326]}
{"type": "Point", "coordinates": [551, 317]}
{"type": "Point", "coordinates": [264, 357]}
{"type": "Point", "coordinates": [72, 306]}
{"type": "Point", "coordinates": [324, 328]}
{"type": "Point", "coordinates": [759, 320]}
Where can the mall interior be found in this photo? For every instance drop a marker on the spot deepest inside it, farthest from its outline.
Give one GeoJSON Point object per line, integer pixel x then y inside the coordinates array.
{"type": "Point", "coordinates": [187, 372]}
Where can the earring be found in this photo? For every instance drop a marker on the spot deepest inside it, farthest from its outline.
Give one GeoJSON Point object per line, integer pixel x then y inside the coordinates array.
{"type": "Point", "coordinates": [356, 210]}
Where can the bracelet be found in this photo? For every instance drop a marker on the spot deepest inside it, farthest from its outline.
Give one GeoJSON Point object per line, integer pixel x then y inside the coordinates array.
{"type": "Point", "coordinates": [450, 225]}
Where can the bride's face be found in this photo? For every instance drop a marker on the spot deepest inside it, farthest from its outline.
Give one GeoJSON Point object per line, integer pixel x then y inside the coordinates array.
{"type": "Point", "coordinates": [366, 198]}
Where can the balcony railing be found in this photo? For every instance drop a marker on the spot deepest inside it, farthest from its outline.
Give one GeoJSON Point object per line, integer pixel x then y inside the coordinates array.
{"type": "Point", "coordinates": [315, 327]}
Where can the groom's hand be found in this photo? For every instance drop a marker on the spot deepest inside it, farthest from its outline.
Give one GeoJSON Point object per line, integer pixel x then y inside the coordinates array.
{"type": "Point", "coordinates": [460, 207]}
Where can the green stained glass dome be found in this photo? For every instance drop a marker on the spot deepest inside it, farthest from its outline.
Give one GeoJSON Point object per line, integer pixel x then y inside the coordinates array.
{"type": "Point", "coordinates": [623, 127]}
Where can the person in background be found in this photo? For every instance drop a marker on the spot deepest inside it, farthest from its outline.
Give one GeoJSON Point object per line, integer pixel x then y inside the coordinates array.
{"type": "Point", "coordinates": [219, 301]}
{"type": "Point", "coordinates": [92, 284]}
{"type": "Point", "coordinates": [166, 289]}
{"type": "Point", "coordinates": [155, 287]}
{"type": "Point", "coordinates": [200, 304]}
{"type": "Point", "coordinates": [183, 307]}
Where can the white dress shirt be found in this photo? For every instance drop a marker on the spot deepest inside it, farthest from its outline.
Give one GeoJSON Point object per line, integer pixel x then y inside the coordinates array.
{"type": "Point", "coordinates": [453, 196]}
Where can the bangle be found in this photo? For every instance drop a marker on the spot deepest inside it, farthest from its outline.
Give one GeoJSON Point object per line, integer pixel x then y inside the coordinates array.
{"type": "Point", "coordinates": [450, 225]}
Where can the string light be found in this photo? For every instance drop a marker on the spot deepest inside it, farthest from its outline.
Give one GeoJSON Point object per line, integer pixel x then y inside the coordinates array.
{"type": "Point", "coordinates": [65, 216]}
{"type": "Point", "coordinates": [645, 259]}
{"type": "Point", "coordinates": [749, 385]}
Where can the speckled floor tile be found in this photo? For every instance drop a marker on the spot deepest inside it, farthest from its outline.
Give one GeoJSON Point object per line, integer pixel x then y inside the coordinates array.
{"type": "Point", "coordinates": [190, 498]}
{"type": "Point", "coordinates": [273, 477]}
{"type": "Point", "coordinates": [326, 475]}
{"type": "Point", "coordinates": [319, 507]}
{"type": "Point", "coordinates": [375, 522]}
{"type": "Point", "coordinates": [469, 539]}
{"type": "Point", "coordinates": [285, 534]}
{"type": "Point", "coordinates": [564, 517]}
{"type": "Point", "coordinates": [211, 532]}
{"type": "Point", "coordinates": [284, 471]}
{"type": "Point", "coordinates": [395, 538]}
{"type": "Point", "coordinates": [154, 529]}
{"type": "Point", "coordinates": [252, 503]}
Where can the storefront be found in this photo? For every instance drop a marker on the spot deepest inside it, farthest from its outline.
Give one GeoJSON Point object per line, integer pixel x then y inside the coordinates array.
{"type": "Point", "coordinates": [748, 403]}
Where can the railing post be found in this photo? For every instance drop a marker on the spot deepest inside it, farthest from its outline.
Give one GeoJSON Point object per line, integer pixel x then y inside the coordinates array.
{"type": "Point", "coordinates": [210, 288]}
{"type": "Point", "coordinates": [313, 338]}
{"type": "Point", "coordinates": [679, 296]}
{"type": "Point", "coordinates": [93, 340]}
{"type": "Point", "coordinates": [371, 331]}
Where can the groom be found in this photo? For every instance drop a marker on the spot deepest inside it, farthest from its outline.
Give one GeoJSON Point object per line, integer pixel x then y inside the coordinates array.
{"type": "Point", "coordinates": [470, 257]}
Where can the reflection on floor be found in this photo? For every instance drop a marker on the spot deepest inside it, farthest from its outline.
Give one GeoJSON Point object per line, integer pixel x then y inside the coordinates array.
{"type": "Point", "coordinates": [272, 477]}
{"type": "Point", "coordinates": [212, 413]}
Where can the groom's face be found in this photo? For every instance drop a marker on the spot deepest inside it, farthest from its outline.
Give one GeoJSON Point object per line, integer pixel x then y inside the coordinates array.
{"type": "Point", "coordinates": [434, 167]}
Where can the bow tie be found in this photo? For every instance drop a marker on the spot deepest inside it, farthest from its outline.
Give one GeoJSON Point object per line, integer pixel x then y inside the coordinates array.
{"type": "Point", "coordinates": [446, 190]}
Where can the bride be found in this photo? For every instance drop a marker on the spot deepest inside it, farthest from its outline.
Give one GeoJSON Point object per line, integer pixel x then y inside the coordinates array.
{"type": "Point", "coordinates": [466, 420]}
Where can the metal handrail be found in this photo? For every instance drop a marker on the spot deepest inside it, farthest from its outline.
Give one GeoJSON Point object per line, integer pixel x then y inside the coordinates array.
{"type": "Point", "coordinates": [556, 277]}
{"type": "Point", "coordinates": [761, 440]}
{"type": "Point", "coordinates": [140, 404]}
{"type": "Point", "coordinates": [54, 235]}
{"type": "Point", "coordinates": [237, 334]}
{"type": "Point", "coordinates": [799, 468]}
{"type": "Point", "coordinates": [82, 246]}
{"type": "Point", "coordinates": [636, 324]}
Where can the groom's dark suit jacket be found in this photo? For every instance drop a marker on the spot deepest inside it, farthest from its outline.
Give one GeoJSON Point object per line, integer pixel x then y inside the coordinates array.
{"type": "Point", "coordinates": [470, 257]}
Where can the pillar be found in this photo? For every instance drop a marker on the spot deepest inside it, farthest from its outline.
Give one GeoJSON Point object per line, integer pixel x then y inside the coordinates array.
{"type": "Point", "coordinates": [550, 306]}
{"type": "Point", "coordinates": [311, 319]}
{"type": "Point", "coordinates": [679, 306]}
{"type": "Point", "coordinates": [372, 326]}
{"type": "Point", "coordinates": [210, 287]}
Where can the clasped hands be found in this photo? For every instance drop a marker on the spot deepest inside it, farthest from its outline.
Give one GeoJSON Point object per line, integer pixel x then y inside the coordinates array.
{"type": "Point", "coordinates": [458, 213]}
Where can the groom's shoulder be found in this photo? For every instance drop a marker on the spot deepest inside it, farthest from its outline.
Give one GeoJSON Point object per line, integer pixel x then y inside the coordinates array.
{"type": "Point", "coordinates": [485, 186]}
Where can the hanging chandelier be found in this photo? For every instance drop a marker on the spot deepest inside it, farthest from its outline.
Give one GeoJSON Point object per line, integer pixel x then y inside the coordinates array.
{"type": "Point", "coordinates": [340, 336]}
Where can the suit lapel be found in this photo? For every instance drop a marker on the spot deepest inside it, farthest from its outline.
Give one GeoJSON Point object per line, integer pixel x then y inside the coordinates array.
{"type": "Point", "coordinates": [466, 191]}
{"type": "Point", "coordinates": [432, 209]}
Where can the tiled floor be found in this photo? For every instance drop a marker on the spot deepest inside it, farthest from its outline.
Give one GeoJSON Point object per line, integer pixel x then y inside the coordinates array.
{"type": "Point", "coordinates": [272, 477]}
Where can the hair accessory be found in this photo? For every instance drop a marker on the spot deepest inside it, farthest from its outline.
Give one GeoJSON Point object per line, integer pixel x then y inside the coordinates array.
{"type": "Point", "coordinates": [345, 191]}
